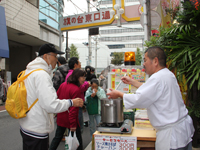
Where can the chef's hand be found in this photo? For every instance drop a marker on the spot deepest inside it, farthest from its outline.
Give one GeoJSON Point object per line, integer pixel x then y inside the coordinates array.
{"type": "Point", "coordinates": [77, 102]}
{"type": "Point", "coordinates": [73, 129]}
{"type": "Point", "coordinates": [128, 80]}
{"type": "Point", "coordinates": [114, 94]}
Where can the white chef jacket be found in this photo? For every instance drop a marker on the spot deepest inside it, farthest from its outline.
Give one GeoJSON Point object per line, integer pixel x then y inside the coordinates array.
{"type": "Point", "coordinates": [165, 108]}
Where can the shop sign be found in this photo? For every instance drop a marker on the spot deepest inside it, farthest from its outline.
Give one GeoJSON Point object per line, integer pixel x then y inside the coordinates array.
{"type": "Point", "coordinates": [103, 142]}
{"type": "Point", "coordinates": [98, 18]}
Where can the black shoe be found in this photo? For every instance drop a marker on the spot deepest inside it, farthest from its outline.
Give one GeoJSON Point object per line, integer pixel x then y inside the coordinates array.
{"type": "Point", "coordinates": [86, 124]}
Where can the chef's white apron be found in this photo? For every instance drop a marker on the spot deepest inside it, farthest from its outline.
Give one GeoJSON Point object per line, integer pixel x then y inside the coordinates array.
{"type": "Point", "coordinates": [163, 135]}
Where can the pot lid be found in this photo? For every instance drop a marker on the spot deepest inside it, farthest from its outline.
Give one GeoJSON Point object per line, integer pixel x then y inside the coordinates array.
{"type": "Point", "coordinates": [106, 99]}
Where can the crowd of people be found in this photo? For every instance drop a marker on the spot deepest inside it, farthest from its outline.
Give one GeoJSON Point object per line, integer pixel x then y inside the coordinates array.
{"type": "Point", "coordinates": [77, 83]}
{"type": "Point", "coordinates": [63, 93]}
{"type": "Point", "coordinates": [69, 88]}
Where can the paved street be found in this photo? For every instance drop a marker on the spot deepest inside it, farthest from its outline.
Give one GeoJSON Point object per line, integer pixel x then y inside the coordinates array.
{"type": "Point", "coordinates": [10, 138]}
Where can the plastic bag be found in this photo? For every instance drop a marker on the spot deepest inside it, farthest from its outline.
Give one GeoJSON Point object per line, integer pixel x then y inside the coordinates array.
{"type": "Point", "coordinates": [85, 116]}
{"type": "Point", "coordinates": [71, 143]}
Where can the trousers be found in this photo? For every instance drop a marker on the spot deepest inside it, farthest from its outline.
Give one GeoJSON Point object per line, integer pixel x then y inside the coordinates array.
{"type": "Point", "coordinates": [187, 147]}
{"type": "Point", "coordinates": [31, 143]}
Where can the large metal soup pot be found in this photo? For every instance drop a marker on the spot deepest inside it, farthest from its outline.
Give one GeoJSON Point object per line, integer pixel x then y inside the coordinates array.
{"type": "Point", "coordinates": [112, 110]}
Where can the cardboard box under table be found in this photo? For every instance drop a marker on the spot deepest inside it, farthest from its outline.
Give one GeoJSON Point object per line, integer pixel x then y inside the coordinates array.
{"type": "Point", "coordinates": [144, 138]}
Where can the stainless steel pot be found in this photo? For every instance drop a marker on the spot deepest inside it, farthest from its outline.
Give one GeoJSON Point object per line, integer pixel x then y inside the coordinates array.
{"type": "Point", "coordinates": [112, 110]}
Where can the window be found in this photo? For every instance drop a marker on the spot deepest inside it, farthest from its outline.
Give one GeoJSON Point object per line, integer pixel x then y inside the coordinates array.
{"type": "Point", "coordinates": [34, 2]}
{"type": "Point", "coordinates": [49, 12]}
{"type": "Point", "coordinates": [119, 46]}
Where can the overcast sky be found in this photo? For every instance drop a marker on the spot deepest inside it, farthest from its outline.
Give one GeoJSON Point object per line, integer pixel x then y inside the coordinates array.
{"type": "Point", "coordinates": [77, 37]}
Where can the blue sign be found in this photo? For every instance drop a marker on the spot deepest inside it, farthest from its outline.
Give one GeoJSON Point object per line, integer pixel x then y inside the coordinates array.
{"type": "Point", "coordinates": [4, 48]}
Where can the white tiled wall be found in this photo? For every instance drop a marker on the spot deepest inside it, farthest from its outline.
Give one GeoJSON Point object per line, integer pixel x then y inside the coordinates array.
{"type": "Point", "coordinates": [22, 16]}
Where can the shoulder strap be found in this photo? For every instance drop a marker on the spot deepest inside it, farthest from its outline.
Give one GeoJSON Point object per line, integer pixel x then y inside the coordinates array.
{"type": "Point", "coordinates": [32, 105]}
{"type": "Point", "coordinates": [24, 77]}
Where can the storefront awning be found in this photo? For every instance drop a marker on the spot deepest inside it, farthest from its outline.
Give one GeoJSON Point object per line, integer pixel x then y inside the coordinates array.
{"type": "Point", "coordinates": [4, 48]}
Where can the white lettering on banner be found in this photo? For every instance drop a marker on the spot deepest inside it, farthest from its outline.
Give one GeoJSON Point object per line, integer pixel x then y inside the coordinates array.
{"type": "Point", "coordinates": [86, 19]}
{"type": "Point", "coordinates": [103, 142]}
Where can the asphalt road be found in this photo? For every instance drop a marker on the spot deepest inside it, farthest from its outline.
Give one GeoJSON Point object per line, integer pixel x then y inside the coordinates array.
{"type": "Point", "coordinates": [10, 138]}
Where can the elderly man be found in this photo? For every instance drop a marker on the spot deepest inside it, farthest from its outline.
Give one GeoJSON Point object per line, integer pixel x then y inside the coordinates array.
{"type": "Point", "coordinates": [38, 123]}
{"type": "Point", "coordinates": [162, 97]}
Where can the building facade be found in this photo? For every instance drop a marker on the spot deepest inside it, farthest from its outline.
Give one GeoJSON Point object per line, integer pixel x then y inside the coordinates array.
{"type": "Point", "coordinates": [30, 23]}
{"type": "Point", "coordinates": [128, 37]}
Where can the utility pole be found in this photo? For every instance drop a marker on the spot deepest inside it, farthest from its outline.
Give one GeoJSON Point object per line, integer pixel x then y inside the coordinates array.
{"type": "Point", "coordinates": [96, 55]}
{"type": "Point", "coordinates": [89, 41]}
{"type": "Point", "coordinates": [67, 47]}
{"type": "Point", "coordinates": [148, 19]}
{"type": "Point", "coordinates": [60, 32]}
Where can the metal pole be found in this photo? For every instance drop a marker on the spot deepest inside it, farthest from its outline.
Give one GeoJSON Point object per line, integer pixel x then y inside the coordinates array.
{"type": "Point", "coordinates": [96, 57]}
{"type": "Point", "coordinates": [60, 32]}
{"type": "Point", "coordinates": [119, 20]}
{"type": "Point", "coordinates": [66, 50]}
{"type": "Point", "coordinates": [145, 22]}
{"type": "Point", "coordinates": [148, 20]}
{"type": "Point", "coordinates": [60, 40]}
{"type": "Point", "coordinates": [89, 42]}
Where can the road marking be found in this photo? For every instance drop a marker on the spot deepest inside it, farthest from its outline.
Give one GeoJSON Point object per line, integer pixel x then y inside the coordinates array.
{"type": "Point", "coordinates": [2, 111]}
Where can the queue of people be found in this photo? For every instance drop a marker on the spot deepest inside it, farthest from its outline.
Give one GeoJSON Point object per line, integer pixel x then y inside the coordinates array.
{"type": "Point", "coordinates": [161, 96]}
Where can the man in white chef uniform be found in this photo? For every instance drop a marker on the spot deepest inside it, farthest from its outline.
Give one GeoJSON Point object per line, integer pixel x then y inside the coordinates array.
{"type": "Point", "coordinates": [162, 97]}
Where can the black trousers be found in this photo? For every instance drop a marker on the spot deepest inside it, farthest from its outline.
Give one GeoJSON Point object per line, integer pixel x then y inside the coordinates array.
{"type": "Point", "coordinates": [59, 135]}
{"type": "Point", "coordinates": [31, 143]}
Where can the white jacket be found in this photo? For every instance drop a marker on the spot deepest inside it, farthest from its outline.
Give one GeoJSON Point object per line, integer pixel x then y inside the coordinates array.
{"type": "Point", "coordinates": [161, 95]}
{"type": "Point", "coordinates": [39, 85]}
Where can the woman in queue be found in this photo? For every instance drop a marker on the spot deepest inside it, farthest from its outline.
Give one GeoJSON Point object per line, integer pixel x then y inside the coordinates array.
{"type": "Point", "coordinates": [69, 119]}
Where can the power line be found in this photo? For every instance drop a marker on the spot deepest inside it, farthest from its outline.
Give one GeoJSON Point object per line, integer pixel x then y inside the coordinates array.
{"type": "Point", "coordinates": [92, 5]}
{"type": "Point", "coordinates": [76, 6]}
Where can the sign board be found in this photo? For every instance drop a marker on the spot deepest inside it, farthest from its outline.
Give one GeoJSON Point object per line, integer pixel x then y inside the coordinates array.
{"type": "Point", "coordinates": [103, 142]}
{"type": "Point", "coordinates": [4, 48]}
{"type": "Point", "coordinates": [90, 19]}
{"type": "Point", "coordinates": [100, 18]}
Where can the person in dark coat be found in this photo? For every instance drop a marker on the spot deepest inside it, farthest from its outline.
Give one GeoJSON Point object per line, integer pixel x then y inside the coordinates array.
{"type": "Point", "coordinates": [90, 73]}
{"type": "Point", "coordinates": [60, 73]}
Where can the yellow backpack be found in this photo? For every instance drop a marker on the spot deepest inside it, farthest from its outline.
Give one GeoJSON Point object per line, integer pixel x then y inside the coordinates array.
{"type": "Point", "coordinates": [16, 104]}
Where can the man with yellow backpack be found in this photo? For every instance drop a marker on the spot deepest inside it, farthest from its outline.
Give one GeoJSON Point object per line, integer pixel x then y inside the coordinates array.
{"type": "Point", "coordinates": [38, 122]}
